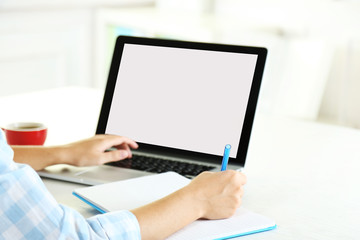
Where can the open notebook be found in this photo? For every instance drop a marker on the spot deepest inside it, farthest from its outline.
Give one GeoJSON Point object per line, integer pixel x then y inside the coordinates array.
{"type": "Point", "coordinates": [135, 192]}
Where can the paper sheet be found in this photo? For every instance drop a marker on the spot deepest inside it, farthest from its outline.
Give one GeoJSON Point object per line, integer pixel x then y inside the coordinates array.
{"type": "Point", "coordinates": [242, 223]}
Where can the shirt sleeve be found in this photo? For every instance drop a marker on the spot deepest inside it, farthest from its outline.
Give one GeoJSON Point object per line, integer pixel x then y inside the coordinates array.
{"type": "Point", "coordinates": [29, 211]}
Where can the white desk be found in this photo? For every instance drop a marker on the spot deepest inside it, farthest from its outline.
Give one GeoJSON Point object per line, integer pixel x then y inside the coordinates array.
{"type": "Point", "coordinates": [302, 174]}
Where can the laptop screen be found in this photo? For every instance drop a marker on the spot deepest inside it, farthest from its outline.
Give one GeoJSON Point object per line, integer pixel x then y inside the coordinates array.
{"type": "Point", "coordinates": [190, 97]}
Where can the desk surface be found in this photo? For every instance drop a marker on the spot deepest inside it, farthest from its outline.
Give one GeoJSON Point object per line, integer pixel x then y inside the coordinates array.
{"type": "Point", "coordinates": [302, 174]}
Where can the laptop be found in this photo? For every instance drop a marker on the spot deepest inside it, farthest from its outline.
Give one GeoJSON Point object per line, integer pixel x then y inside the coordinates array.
{"type": "Point", "coordinates": [181, 101]}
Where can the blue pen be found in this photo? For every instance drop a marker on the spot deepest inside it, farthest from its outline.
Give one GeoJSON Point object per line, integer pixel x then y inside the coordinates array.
{"type": "Point", "coordinates": [225, 159]}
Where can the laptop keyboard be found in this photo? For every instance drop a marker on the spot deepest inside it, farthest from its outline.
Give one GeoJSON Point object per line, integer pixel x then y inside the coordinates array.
{"type": "Point", "coordinates": [157, 165]}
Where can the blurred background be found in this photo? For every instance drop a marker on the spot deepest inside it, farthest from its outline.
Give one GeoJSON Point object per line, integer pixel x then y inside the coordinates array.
{"type": "Point", "coordinates": [311, 72]}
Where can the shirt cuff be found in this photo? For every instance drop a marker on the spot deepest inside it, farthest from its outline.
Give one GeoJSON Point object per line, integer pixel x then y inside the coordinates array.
{"type": "Point", "coordinates": [119, 224]}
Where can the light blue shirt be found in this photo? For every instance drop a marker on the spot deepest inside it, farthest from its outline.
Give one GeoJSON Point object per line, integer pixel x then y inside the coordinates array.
{"type": "Point", "coordinates": [29, 211]}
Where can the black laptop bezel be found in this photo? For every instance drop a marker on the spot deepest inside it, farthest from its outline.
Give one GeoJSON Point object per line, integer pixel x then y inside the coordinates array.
{"type": "Point", "coordinates": [240, 159]}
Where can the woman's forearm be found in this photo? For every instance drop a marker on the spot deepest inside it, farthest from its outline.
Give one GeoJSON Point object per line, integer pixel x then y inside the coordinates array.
{"type": "Point", "coordinates": [38, 157]}
{"type": "Point", "coordinates": [162, 218]}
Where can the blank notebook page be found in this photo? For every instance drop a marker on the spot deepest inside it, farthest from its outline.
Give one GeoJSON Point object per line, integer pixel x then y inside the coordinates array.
{"type": "Point", "coordinates": [242, 223]}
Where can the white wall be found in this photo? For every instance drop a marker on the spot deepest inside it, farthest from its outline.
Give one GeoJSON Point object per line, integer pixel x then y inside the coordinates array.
{"type": "Point", "coordinates": [47, 44]}
{"type": "Point", "coordinates": [312, 70]}
{"type": "Point", "coordinates": [44, 49]}
{"type": "Point", "coordinates": [312, 60]}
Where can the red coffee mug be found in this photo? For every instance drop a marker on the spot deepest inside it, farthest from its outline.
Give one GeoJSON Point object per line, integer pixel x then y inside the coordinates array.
{"type": "Point", "coordinates": [25, 133]}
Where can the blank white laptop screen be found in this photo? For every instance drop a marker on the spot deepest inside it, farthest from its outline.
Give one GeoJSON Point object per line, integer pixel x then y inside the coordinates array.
{"type": "Point", "coordinates": [187, 99]}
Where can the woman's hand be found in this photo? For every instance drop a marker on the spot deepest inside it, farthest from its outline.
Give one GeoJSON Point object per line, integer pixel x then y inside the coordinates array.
{"type": "Point", "coordinates": [218, 194]}
{"type": "Point", "coordinates": [92, 151]}
{"type": "Point", "coordinates": [88, 152]}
